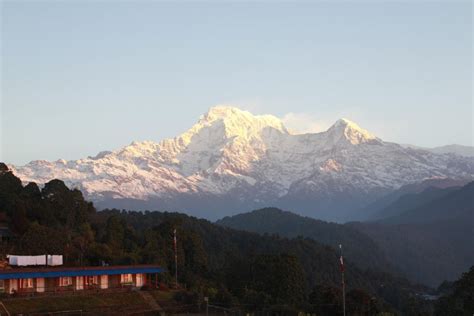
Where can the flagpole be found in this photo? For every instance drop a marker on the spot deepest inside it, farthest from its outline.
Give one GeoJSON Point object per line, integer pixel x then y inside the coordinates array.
{"type": "Point", "coordinates": [343, 284]}
{"type": "Point", "coordinates": [175, 259]}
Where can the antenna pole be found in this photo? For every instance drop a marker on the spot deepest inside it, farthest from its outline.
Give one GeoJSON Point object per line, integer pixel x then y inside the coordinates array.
{"type": "Point", "coordinates": [175, 259]}
{"type": "Point", "coordinates": [343, 283]}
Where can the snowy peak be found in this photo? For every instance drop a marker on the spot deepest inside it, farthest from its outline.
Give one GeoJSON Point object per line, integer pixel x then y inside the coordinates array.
{"type": "Point", "coordinates": [349, 131]}
{"type": "Point", "coordinates": [239, 123]}
{"type": "Point", "coordinates": [242, 160]}
{"type": "Point", "coordinates": [217, 134]}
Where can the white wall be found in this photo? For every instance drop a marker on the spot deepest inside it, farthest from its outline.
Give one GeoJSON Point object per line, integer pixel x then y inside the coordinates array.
{"type": "Point", "coordinates": [79, 283]}
{"type": "Point", "coordinates": [140, 280]}
{"type": "Point", "coordinates": [40, 285]}
{"type": "Point", "coordinates": [13, 285]}
{"type": "Point", "coordinates": [104, 281]}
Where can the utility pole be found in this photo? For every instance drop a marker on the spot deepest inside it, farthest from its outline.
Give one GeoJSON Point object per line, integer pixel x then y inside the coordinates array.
{"type": "Point", "coordinates": [343, 283]}
{"type": "Point", "coordinates": [206, 299]}
{"type": "Point", "coordinates": [175, 259]}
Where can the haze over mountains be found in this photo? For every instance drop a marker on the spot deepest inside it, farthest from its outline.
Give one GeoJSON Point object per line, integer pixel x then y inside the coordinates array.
{"type": "Point", "coordinates": [467, 151]}
{"type": "Point", "coordinates": [231, 161]}
{"type": "Point", "coordinates": [427, 236]}
{"type": "Point", "coordinates": [358, 247]}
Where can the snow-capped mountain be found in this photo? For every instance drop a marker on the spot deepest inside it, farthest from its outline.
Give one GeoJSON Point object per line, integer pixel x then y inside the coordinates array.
{"type": "Point", "coordinates": [233, 161]}
{"type": "Point", "coordinates": [460, 150]}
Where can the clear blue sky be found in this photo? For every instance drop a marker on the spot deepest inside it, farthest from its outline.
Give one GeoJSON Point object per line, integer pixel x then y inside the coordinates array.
{"type": "Point", "coordinates": [79, 77]}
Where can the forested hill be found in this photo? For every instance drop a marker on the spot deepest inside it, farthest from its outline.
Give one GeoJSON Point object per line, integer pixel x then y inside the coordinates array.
{"type": "Point", "coordinates": [231, 254]}
{"type": "Point", "coordinates": [432, 240]}
{"type": "Point", "coordinates": [459, 299]}
{"type": "Point", "coordinates": [358, 247]}
{"type": "Point", "coordinates": [232, 267]}
{"type": "Point", "coordinates": [411, 201]}
{"type": "Point", "coordinates": [453, 204]}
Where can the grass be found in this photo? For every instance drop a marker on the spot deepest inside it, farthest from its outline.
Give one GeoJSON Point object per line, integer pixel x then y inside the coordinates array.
{"type": "Point", "coordinates": [86, 302]}
{"type": "Point", "coordinates": [163, 295]}
{"type": "Point", "coordinates": [167, 300]}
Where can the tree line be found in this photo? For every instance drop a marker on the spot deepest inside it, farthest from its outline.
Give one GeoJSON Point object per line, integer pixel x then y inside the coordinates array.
{"type": "Point", "coordinates": [232, 268]}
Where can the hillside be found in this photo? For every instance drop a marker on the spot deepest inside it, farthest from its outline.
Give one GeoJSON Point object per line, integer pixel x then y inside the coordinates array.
{"type": "Point", "coordinates": [231, 254]}
{"type": "Point", "coordinates": [450, 204]}
{"type": "Point", "coordinates": [358, 247]}
{"type": "Point", "coordinates": [461, 150]}
{"type": "Point", "coordinates": [232, 160]}
{"type": "Point", "coordinates": [410, 201]}
{"type": "Point", "coordinates": [233, 267]}
{"type": "Point", "coordinates": [460, 299]}
{"type": "Point", "coordinates": [375, 210]}
{"type": "Point", "coordinates": [431, 242]}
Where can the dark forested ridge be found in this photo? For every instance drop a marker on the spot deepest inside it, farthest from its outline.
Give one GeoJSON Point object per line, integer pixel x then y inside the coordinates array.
{"type": "Point", "coordinates": [458, 299]}
{"type": "Point", "coordinates": [456, 204]}
{"type": "Point", "coordinates": [383, 207]}
{"type": "Point", "coordinates": [431, 241]}
{"type": "Point", "coordinates": [410, 201]}
{"type": "Point", "coordinates": [231, 254]}
{"type": "Point", "coordinates": [233, 268]}
{"type": "Point", "coordinates": [358, 247]}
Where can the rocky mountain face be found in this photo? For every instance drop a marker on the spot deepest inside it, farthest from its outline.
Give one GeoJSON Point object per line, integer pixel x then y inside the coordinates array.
{"type": "Point", "coordinates": [232, 161]}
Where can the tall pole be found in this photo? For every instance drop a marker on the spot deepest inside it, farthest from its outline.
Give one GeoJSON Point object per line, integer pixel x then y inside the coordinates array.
{"type": "Point", "coordinates": [206, 299]}
{"type": "Point", "coordinates": [343, 283]}
{"type": "Point", "coordinates": [175, 259]}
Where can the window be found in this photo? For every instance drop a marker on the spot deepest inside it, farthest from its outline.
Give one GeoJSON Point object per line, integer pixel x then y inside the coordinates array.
{"type": "Point", "coordinates": [139, 279]}
{"type": "Point", "coordinates": [92, 280]}
{"type": "Point", "coordinates": [2, 286]}
{"type": "Point", "coordinates": [65, 281]}
{"type": "Point", "coordinates": [26, 283]}
{"type": "Point", "coordinates": [126, 278]}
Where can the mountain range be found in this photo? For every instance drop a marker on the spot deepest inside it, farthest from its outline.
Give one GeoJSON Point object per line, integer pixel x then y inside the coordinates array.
{"type": "Point", "coordinates": [467, 151]}
{"type": "Point", "coordinates": [231, 161]}
{"type": "Point", "coordinates": [235, 268]}
{"type": "Point", "coordinates": [409, 196]}
{"type": "Point", "coordinates": [425, 236]}
{"type": "Point", "coordinates": [358, 247]}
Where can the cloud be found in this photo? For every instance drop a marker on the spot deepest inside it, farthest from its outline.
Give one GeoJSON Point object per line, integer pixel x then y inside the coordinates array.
{"type": "Point", "coordinates": [301, 123]}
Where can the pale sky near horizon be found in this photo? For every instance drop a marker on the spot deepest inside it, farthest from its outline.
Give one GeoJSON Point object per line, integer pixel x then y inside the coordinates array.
{"type": "Point", "coordinates": [79, 77]}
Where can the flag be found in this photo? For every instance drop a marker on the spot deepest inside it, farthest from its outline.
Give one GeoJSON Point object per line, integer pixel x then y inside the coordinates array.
{"type": "Point", "coordinates": [341, 261]}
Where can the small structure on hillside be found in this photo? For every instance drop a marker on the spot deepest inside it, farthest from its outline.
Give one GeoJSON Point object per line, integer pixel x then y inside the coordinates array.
{"type": "Point", "coordinates": [41, 260]}
{"type": "Point", "coordinates": [27, 280]}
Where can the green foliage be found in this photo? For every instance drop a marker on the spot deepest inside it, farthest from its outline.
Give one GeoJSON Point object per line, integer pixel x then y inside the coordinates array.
{"type": "Point", "coordinates": [461, 299]}
{"type": "Point", "coordinates": [435, 233]}
{"type": "Point", "coordinates": [362, 250]}
{"type": "Point", "coordinates": [268, 279]}
{"type": "Point", "coordinates": [231, 267]}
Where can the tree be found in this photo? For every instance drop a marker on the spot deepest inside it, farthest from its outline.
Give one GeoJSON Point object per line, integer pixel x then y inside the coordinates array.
{"type": "Point", "coordinates": [83, 241]}
{"type": "Point", "coordinates": [461, 300]}
{"type": "Point", "coordinates": [281, 277]}
{"type": "Point", "coordinates": [326, 300]}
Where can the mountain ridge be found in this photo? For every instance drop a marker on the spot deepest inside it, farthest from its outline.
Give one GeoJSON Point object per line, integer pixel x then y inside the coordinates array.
{"type": "Point", "coordinates": [253, 162]}
{"type": "Point", "coordinates": [431, 239]}
{"type": "Point", "coordinates": [358, 247]}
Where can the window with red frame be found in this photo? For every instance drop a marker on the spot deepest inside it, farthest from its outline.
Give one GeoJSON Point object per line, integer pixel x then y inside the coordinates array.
{"type": "Point", "coordinates": [92, 280]}
{"type": "Point", "coordinates": [26, 283]}
{"type": "Point", "coordinates": [65, 281]}
{"type": "Point", "coordinates": [126, 278]}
